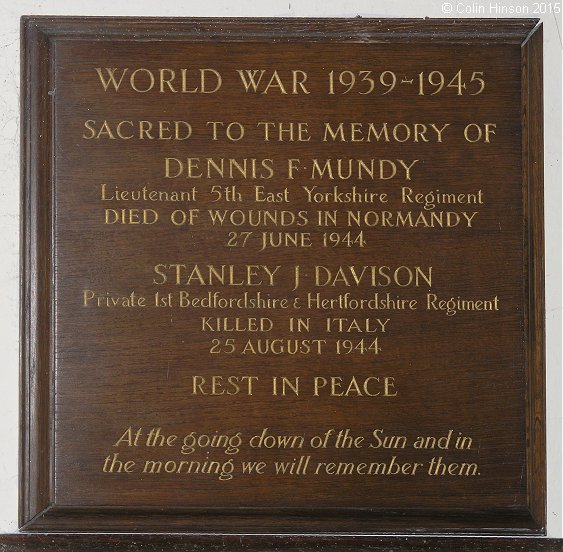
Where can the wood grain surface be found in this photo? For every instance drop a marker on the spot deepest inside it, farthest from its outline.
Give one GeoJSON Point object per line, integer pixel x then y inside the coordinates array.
{"type": "Point", "coordinates": [89, 373]}
{"type": "Point", "coordinates": [208, 543]}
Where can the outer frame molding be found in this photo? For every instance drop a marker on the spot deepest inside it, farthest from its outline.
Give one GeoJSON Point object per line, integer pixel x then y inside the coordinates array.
{"type": "Point", "coordinates": [277, 543]}
{"type": "Point", "coordinates": [38, 505]}
{"type": "Point", "coordinates": [36, 445]}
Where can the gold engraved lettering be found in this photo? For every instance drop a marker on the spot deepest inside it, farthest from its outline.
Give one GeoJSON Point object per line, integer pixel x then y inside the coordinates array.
{"type": "Point", "coordinates": [223, 385]}
{"type": "Point", "coordinates": [260, 81]}
{"type": "Point", "coordinates": [211, 275]}
{"type": "Point", "coordinates": [337, 386]}
{"type": "Point", "coordinates": [142, 80]}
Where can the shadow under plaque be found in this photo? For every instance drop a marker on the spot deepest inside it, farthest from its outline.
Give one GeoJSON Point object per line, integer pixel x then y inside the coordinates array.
{"type": "Point", "coordinates": [282, 279]}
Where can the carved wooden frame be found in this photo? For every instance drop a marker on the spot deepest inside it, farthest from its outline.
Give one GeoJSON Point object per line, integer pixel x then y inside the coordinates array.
{"type": "Point", "coordinates": [39, 511]}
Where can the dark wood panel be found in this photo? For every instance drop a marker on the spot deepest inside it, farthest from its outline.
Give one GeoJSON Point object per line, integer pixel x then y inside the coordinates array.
{"type": "Point", "coordinates": [67, 377]}
{"type": "Point", "coordinates": [207, 543]}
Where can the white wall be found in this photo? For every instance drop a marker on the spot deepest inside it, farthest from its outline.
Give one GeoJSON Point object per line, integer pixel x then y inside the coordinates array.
{"type": "Point", "coordinates": [10, 12]}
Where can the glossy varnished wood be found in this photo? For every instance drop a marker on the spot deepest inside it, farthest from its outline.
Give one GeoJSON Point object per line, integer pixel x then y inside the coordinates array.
{"type": "Point", "coordinates": [36, 456]}
{"type": "Point", "coordinates": [40, 510]}
{"type": "Point", "coordinates": [229, 543]}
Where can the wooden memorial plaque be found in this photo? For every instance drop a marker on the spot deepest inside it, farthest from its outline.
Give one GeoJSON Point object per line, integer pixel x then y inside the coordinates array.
{"type": "Point", "coordinates": [282, 277]}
